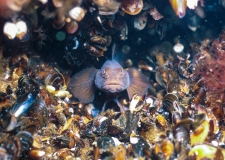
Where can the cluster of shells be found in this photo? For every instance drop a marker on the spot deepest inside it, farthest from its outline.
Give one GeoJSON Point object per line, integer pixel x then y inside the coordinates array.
{"type": "Point", "coordinates": [179, 118]}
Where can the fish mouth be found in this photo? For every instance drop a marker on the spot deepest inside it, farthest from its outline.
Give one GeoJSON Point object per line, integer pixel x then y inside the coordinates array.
{"type": "Point", "coordinates": [112, 87]}
{"type": "Point", "coordinates": [113, 84]}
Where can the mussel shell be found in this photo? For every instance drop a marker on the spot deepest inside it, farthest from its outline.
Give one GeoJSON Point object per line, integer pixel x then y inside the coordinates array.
{"type": "Point", "coordinates": [199, 96]}
{"type": "Point", "coordinates": [71, 27]}
{"type": "Point", "coordinates": [25, 84]}
{"type": "Point", "coordinates": [182, 70]}
{"type": "Point", "coordinates": [5, 100]}
{"type": "Point", "coordinates": [105, 143]}
{"type": "Point", "coordinates": [199, 119]}
{"type": "Point", "coordinates": [11, 125]}
{"type": "Point", "coordinates": [61, 118]}
{"type": "Point", "coordinates": [218, 113]}
{"type": "Point", "coordinates": [99, 40]}
{"type": "Point", "coordinates": [176, 118]}
{"type": "Point", "coordinates": [199, 152]}
{"type": "Point", "coordinates": [167, 148]}
{"type": "Point", "coordinates": [107, 7]}
{"type": "Point", "coordinates": [114, 130]}
{"type": "Point", "coordinates": [39, 113]}
{"type": "Point", "coordinates": [168, 100]}
{"type": "Point", "coordinates": [173, 86]}
{"type": "Point", "coordinates": [36, 153]}
{"type": "Point", "coordinates": [132, 7]}
{"type": "Point", "coordinates": [89, 133]}
{"type": "Point", "coordinates": [26, 139]}
{"type": "Point", "coordinates": [100, 125]}
{"type": "Point", "coordinates": [182, 134]}
{"type": "Point", "coordinates": [141, 148]}
{"type": "Point", "coordinates": [95, 51]}
{"type": "Point", "coordinates": [22, 104]}
{"type": "Point", "coordinates": [147, 123]}
{"type": "Point", "coordinates": [159, 79]}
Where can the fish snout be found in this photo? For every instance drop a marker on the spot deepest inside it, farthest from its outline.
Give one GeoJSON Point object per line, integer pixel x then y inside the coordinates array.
{"type": "Point", "coordinates": [112, 86]}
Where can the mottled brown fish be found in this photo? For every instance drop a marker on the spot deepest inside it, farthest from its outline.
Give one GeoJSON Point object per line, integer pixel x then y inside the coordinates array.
{"type": "Point", "coordinates": [111, 79]}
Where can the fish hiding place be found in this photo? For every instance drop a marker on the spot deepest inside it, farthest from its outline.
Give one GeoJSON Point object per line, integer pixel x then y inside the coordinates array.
{"type": "Point", "coordinates": [111, 79]}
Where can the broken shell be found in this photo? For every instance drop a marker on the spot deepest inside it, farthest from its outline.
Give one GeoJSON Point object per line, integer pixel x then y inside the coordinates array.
{"type": "Point", "coordinates": [10, 30]}
{"type": "Point", "coordinates": [37, 142]}
{"type": "Point", "coordinates": [218, 113]}
{"type": "Point", "coordinates": [114, 130]}
{"type": "Point", "coordinates": [182, 134]}
{"type": "Point", "coordinates": [100, 124]}
{"type": "Point", "coordinates": [21, 29]}
{"type": "Point", "coordinates": [132, 7]}
{"type": "Point", "coordinates": [161, 120]}
{"type": "Point", "coordinates": [77, 13]}
{"type": "Point", "coordinates": [167, 148]}
{"type": "Point", "coordinates": [107, 7]}
{"type": "Point", "coordinates": [205, 151]}
{"type": "Point", "coordinates": [71, 27]}
{"type": "Point", "coordinates": [200, 134]}
{"type": "Point", "coordinates": [65, 126]}
{"type": "Point", "coordinates": [61, 94]}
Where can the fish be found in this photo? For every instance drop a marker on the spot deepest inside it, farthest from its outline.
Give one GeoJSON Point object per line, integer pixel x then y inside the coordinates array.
{"type": "Point", "coordinates": [112, 78]}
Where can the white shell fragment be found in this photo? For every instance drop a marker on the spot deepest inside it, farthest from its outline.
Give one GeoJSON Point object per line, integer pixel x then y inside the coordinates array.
{"type": "Point", "coordinates": [18, 29]}
{"type": "Point", "coordinates": [50, 88]}
{"type": "Point", "coordinates": [192, 4]}
{"type": "Point", "coordinates": [134, 140]}
{"type": "Point", "coordinates": [77, 13]}
{"type": "Point", "coordinates": [134, 101]}
{"type": "Point", "coordinates": [10, 30]}
{"type": "Point", "coordinates": [178, 48]}
{"type": "Point", "coordinates": [62, 94]}
{"type": "Point", "coordinates": [22, 29]}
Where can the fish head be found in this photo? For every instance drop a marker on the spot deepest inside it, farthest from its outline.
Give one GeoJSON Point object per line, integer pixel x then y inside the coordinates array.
{"type": "Point", "coordinates": [112, 78]}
